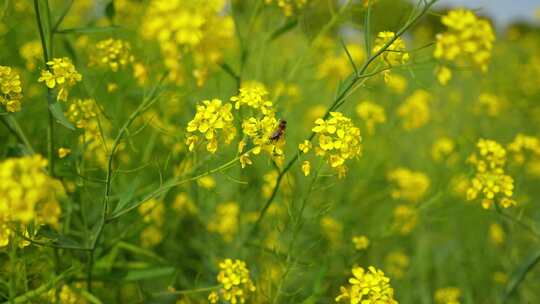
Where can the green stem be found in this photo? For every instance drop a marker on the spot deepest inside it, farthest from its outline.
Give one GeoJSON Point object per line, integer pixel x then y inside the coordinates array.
{"type": "Point", "coordinates": [13, 126]}
{"type": "Point", "coordinates": [338, 102]}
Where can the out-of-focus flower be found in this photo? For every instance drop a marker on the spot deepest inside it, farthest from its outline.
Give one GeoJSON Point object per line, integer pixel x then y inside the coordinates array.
{"type": "Point", "coordinates": [410, 185]}
{"type": "Point", "coordinates": [373, 114]}
{"type": "Point", "coordinates": [10, 89]}
{"type": "Point", "coordinates": [490, 181]}
{"type": "Point", "coordinates": [225, 220]}
{"type": "Point", "coordinates": [415, 111]}
{"type": "Point", "coordinates": [467, 41]}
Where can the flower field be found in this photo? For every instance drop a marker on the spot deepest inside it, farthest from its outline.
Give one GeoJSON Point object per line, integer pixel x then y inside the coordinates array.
{"type": "Point", "coordinates": [267, 151]}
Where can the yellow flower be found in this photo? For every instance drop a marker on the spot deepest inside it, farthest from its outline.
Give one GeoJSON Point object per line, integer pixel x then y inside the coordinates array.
{"type": "Point", "coordinates": [367, 287]}
{"type": "Point", "coordinates": [405, 219]}
{"type": "Point", "coordinates": [288, 7]}
{"type": "Point", "coordinates": [372, 114]}
{"type": "Point", "coordinates": [490, 181]}
{"type": "Point", "coordinates": [225, 220]}
{"type": "Point", "coordinates": [27, 194]}
{"type": "Point", "coordinates": [467, 41]}
{"type": "Point", "coordinates": [61, 74]}
{"type": "Point", "coordinates": [396, 83]}
{"type": "Point", "coordinates": [338, 140]}
{"type": "Point", "coordinates": [212, 117]}
{"type": "Point", "coordinates": [254, 94]}
{"type": "Point", "coordinates": [396, 53]}
{"type": "Point", "coordinates": [113, 54]}
{"type": "Point", "coordinates": [63, 152]}
{"type": "Point", "coordinates": [81, 112]}
{"type": "Point", "coordinates": [447, 295]}
{"type": "Point", "coordinates": [414, 111]}
{"type": "Point", "coordinates": [10, 89]}
{"type": "Point", "coordinates": [306, 168]}
{"type": "Point", "coordinates": [332, 230]}
{"type": "Point", "coordinates": [489, 104]}
{"type": "Point", "coordinates": [442, 148]}
{"type": "Point", "coordinates": [360, 242]}
{"type": "Point", "coordinates": [198, 29]}
{"type": "Point", "coordinates": [31, 53]}
{"type": "Point", "coordinates": [334, 68]}
{"type": "Point", "coordinates": [236, 284]}
{"type": "Point", "coordinates": [496, 234]}
{"type": "Point", "coordinates": [184, 204]}
{"type": "Point", "coordinates": [67, 295]}
{"type": "Point", "coordinates": [207, 182]}
{"type": "Point", "coordinates": [305, 146]}
{"type": "Point", "coordinates": [444, 74]}
{"type": "Point", "coordinates": [410, 185]}
{"type": "Point", "coordinates": [396, 263]}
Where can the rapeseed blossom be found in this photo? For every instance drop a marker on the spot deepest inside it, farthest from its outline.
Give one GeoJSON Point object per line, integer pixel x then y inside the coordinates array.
{"type": "Point", "coordinates": [113, 54]}
{"type": "Point", "coordinates": [490, 182]}
{"type": "Point", "coordinates": [369, 286]}
{"type": "Point", "coordinates": [410, 185]}
{"type": "Point", "coordinates": [288, 7]}
{"type": "Point", "coordinates": [372, 113]}
{"type": "Point", "coordinates": [467, 41]}
{"type": "Point", "coordinates": [235, 281]}
{"type": "Point", "coordinates": [447, 295]}
{"type": "Point", "coordinates": [225, 220]}
{"type": "Point", "coordinates": [414, 111]}
{"type": "Point", "coordinates": [60, 74]}
{"type": "Point", "coordinates": [338, 140]}
{"type": "Point", "coordinates": [213, 118]}
{"type": "Point", "coordinates": [27, 194]}
{"type": "Point", "coordinates": [81, 112]}
{"type": "Point", "coordinates": [396, 53]}
{"type": "Point", "coordinates": [10, 89]}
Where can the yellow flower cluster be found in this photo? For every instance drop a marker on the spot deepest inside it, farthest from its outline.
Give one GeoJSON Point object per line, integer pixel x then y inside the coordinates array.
{"type": "Point", "coordinates": [235, 282]}
{"type": "Point", "coordinates": [522, 144]}
{"type": "Point", "coordinates": [260, 127]}
{"type": "Point", "coordinates": [331, 229]}
{"type": "Point", "coordinates": [396, 263]}
{"type": "Point", "coordinates": [489, 104]}
{"type": "Point", "coordinates": [10, 89]}
{"type": "Point", "coordinates": [27, 194]}
{"type": "Point", "coordinates": [212, 117]}
{"type": "Point", "coordinates": [60, 73]}
{"type": "Point", "coordinates": [415, 111]}
{"type": "Point", "coordinates": [225, 220]}
{"type": "Point", "coordinates": [447, 295]}
{"type": "Point", "coordinates": [112, 53]}
{"type": "Point", "coordinates": [496, 234]}
{"type": "Point", "coordinates": [468, 40]}
{"type": "Point", "coordinates": [372, 113]}
{"type": "Point", "coordinates": [405, 219]}
{"type": "Point", "coordinates": [360, 242]}
{"type": "Point", "coordinates": [411, 186]}
{"type": "Point", "coordinates": [367, 287]}
{"type": "Point", "coordinates": [31, 53]}
{"type": "Point", "coordinates": [442, 149]}
{"type": "Point", "coordinates": [66, 296]}
{"type": "Point", "coordinates": [396, 53]}
{"type": "Point", "coordinates": [289, 7]}
{"type": "Point", "coordinates": [338, 140]}
{"type": "Point", "coordinates": [254, 94]}
{"type": "Point", "coordinates": [81, 112]}
{"type": "Point", "coordinates": [189, 28]}
{"type": "Point", "coordinates": [153, 213]}
{"type": "Point", "coordinates": [490, 180]}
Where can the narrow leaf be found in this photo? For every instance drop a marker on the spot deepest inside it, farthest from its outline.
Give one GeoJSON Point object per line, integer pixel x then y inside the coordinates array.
{"type": "Point", "coordinates": [58, 114]}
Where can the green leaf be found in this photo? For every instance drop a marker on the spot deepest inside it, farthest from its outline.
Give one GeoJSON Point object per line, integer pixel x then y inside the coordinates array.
{"type": "Point", "coordinates": [289, 25]}
{"type": "Point", "coordinates": [58, 114]}
{"type": "Point", "coordinates": [520, 273]}
{"type": "Point", "coordinates": [88, 30]}
{"type": "Point", "coordinates": [149, 273]}
{"type": "Point", "coordinates": [127, 195]}
{"type": "Point", "coordinates": [110, 11]}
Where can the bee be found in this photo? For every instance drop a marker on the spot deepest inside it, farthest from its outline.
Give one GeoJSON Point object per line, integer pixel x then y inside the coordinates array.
{"type": "Point", "coordinates": [280, 131]}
